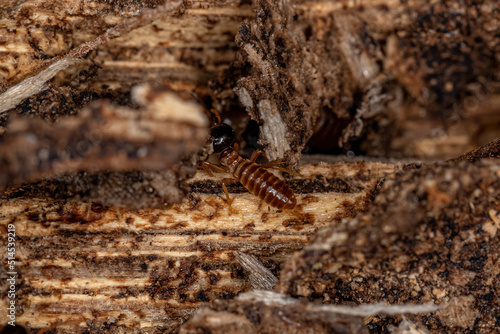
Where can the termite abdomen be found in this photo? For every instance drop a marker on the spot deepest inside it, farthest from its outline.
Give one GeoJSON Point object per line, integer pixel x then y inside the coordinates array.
{"type": "Point", "coordinates": [259, 181]}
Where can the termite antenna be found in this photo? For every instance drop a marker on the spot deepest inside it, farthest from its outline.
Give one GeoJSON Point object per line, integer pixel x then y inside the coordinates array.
{"type": "Point", "coordinates": [216, 113]}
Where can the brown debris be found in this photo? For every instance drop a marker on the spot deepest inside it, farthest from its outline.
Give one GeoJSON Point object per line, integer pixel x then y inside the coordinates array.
{"type": "Point", "coordinates": [426, 237]}
{"type": "Point", "coordinates": [108, 143]}
{"type": "Point", "coordinates": [270, 312]}
{"type": "Point", "coordinates": [104, 137]}
{"type": "Point", "coordinates": [158, 52]}
{"type": "Point", "coordinates": [369, 77]}
{"type": "Point", "coordinates": [260, 312]}
{"type": "Point", "coordinates": [281, 92]}
{"type": "Point", "coordinates": [384, 78]}
{"type": "Point", "coordinates": [350, 75]}
{"type": "Point", "coordinates": [132, 190]}
{"type": "Point", "coordinates": [491, 150]}
{"type": "Point", "coordinates": [9, 7]}
{"type": "Point", "coordinates": [48, 69]}
{"type": "Point", "coordinates": [406, 327]}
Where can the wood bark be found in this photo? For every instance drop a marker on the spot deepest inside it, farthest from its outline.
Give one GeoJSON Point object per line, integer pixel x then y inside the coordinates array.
{"type": "Point", "coordinates": [343, 76]}
{"type": "Point", "coordinates": [85, 267]}
{"type": "Point", "coordinates": [431, 234]}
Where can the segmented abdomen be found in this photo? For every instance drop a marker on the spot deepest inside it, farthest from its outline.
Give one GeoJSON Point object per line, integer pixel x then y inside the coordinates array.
{"type": "Point", "coordinates": [262, 183]}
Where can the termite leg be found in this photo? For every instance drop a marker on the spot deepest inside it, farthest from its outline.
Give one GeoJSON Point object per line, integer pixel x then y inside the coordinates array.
{"type": "Point", "coordinates": [272, 164]}
{"type": "Point", "coordinates": [256, 154]}
{"type": "Point", "coordinates": [228, 199]}
{"type": "Point", "coordinates": [208, 167]}
{"type": "Point", "coordinates": [282, 169]}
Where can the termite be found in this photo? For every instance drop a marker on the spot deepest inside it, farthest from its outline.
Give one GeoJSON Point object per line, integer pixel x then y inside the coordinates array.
{"type": "Point", "coordinates": [255, 178]}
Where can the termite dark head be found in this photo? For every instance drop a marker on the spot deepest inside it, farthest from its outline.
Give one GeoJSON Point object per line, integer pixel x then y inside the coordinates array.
{"type": "Point", "coordinates": [223, 135]}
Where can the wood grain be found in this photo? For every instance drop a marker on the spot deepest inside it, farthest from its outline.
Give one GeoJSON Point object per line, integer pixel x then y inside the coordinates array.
{"type": "Point", "coordinates": [81, 268]}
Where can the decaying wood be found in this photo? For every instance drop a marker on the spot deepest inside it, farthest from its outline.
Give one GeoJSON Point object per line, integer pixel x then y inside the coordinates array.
{"type": "Point", "coordinates": [270, 312]}
{"type": "Point", "coordinates": [105, 138]}
{"type": "Point", "coordinates": [131, 190]}
{"type": "Point", "coordinates": [426, 238]}
{"type": "Point", "coordinates": [384, 78]}
{"type": "Point", "coordinates": [117, 156]}
{"type": "Point", "coordinates": [258, 312]}
{"type": "Point", "coordinates": [259, 277]}
{"type": "Point", "coordinates": [366, 67]}
{"type": "Point", "coordinates": [88, 267]}
{"type": "Point", "coordinates": [431, 234]}
{"type": "Point", "coordinates": [378, 71]}
{"type": "Point", "coordinates": [491, 150]}
{"type": "Point", "coordinates": [48, 69]}
{"type": "Point", "coordinates": [183, 54]}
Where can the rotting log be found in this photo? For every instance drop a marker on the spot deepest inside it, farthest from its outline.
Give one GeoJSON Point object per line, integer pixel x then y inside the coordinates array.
{"type": "Point", "coordinates": [82, 266]}
{"type": "Point", "coordinates": [430, 235]}
{"type": "Point", "coordinates": [491, 150]}
{"type": "Point", "coordinates": [435, 108]}
{"type": "Point", "coordinates": [424, 258]}
{"type": "Point", "coordinates": [394, 78]}
{"type": "Point", "coordinates": [270, 312]}
{"type": "Point", "coordinates": [117, 156]}
{"type": "Point", "coordinates": [104, 137]}
{"type": "Point", "coordinates": [183, 50]}
{"type": "Point", "coordinates": [331, 63]}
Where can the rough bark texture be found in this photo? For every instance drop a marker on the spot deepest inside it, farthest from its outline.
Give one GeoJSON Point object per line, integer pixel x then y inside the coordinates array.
{"type": "Point", "coordinates": [85, 267]}
{"type": "Point", "coordinates": [259, 312]}
{"type": "Point", "coordinates": [271, 312]}
{"type": "Point", "coordinates": [183, 54]}
{"type": "Point", "coordinates": [368, 77]}
{"type": "Point", "coordinates": [115, 156]}
{"type": "Point", "coordinates": [492, 150]}
{"type": "Point", "coordinates": [431, 234]}
{"type": "Point", "coordinates": [105, 138]}
{"type": "Point", "coordinates": [378, 77]}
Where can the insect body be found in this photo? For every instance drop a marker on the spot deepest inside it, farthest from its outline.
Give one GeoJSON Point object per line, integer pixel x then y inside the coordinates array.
{"type": "Point", "coordinates": [255, 178]}
{"type": "Point", "coordinates": [258, 180]}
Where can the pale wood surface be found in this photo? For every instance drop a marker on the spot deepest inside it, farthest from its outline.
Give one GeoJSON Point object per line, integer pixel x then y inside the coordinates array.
{"type": "Point", "coordinates": [152, 268]}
